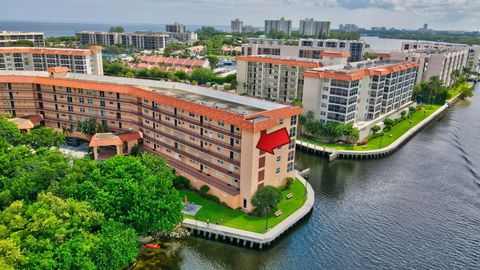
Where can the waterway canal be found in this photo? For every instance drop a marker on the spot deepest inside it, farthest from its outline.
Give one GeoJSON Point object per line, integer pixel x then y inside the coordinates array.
{"type": "Point", "coordinates": [418, 209]}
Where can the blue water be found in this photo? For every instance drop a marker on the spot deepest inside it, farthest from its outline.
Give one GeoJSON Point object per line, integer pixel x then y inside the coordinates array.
{"type": "Point", "coordinates": [69, 29]}
{"type": "Point", "coordinates": [417, 209]}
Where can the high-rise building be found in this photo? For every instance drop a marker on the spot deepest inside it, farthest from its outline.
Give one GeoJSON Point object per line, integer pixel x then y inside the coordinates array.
{"type": "Point", "coordinates": [88, 61]}
{"type": "Point", "coordinates": [208, 136]}
{"type": "Point", "coordinates": [348, 28]}
{"type": "Point", "coordinates": [360, 93]}
{"type": "Point", "coordinates": [250, 29]}
{"type": "Point", "coordinates": [175, 28]}
{"type": "Point", "coordinates": [310, 27]}
{"type": "Point", "coordinates": [438, 59]}
{"type": "Point", "coordinates": [306, 48]}
{"type": "Point", "coordinates": [282, 25]}
{"type": "Point", "coordinates": [236, 26]}
{"type": "Point", "coordinates": [279, 78]}
{"type": "Point", "coordinates": [142, 40]}
{"type": "Point", "coordinates": [8, 37]}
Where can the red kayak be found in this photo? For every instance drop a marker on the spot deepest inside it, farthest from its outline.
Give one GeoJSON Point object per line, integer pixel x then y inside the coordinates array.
{"type": "Point", "coordinates": [152, 246]}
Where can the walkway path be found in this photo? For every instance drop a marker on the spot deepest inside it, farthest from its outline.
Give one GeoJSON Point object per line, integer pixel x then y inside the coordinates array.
{"type": "Point", "coordinates": [377, 153]}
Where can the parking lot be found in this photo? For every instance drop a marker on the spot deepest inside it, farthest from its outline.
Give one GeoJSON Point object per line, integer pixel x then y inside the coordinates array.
{"type": "Point", "coordinates": [75, 151]}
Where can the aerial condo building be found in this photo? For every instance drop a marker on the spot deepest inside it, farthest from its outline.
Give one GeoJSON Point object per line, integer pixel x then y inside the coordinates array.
{"type": "Point", "coordinates": [212, 137]}
{"type": "Point", "coordinates": [359, 93]}
{"type": "Point", "coordinates": [279, 78]}
{"type": "Point", "coordinates": [88, 61]}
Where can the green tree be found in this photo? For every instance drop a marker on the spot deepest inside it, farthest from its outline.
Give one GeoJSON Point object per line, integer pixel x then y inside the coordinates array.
{"type": "Point", "coordinates": [204, 189]}
{"type": "Point", "coordinates": [388, 122]}
{"type": "Point", "coordinates": [213, 61]}
{"type": "Point", "coordinates": [202, 75]}
{"type": "Point", "coordinates": [297, 102]}
{"type": "Point", "coordinates": [90, 127]}
{"type": "Point", "coordinates": [24, 173]}
{"type": "Point", "coordinates": [131, 190]}
{"type": "Point", "coordinates": [53, 233]}
{"type": "Point", "coordinates": [116, 248]}
{"type": "Point", "coordinates": [266, 197]}
{"type": "Point", "coordinates": [43, 137]}
{"type": "Point", "coordinates": [10, 132]}
{"type": "Point", "coordinates": [375, 129]}
{"type": "Point", "coordinates": [465, 90]}
{"type": "Point", "coordinates": [116, 29]}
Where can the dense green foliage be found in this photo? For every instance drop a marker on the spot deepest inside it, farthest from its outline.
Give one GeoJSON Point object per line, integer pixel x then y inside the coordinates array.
{"type": "Point", "coordinates": [463, 39]}
{"type": "Point", "coordinates": [43, 137]}
{"type": "Point", "coordinates": [116, 29]}
{"type": "Point", "coordinates": [64, 213]}
{"type": "Point", "coordinates": [331, 131]}
{"type": "Point", "coordinates": [20, 43]}
{"type": "Point", "coordinates": [266, 197]}
{"type": "Point", "coordinates": [431, 92]}
{"type": "Point", "coordinates": [127, 190]}
{"type": "Point", "coordinates": [53, 233]}
{"type": "Point", "coordinates": [90, 127]}
{"type": "Point", "coordinates": [200, 75]}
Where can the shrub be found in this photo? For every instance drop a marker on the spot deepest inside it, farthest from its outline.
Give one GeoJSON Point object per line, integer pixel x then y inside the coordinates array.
{"type": "Point", "coordinates": [387, 129]}
{"type": "Point", "coordinates": [181, 182]}
{"type": "Point", "coordinates": [204, 189]}
{"type": "Point", "coordinates": [288, 182]}
{"type": "Point", "coordinates": [135, 151]}
{"type": "Point", "coordinates": [212, 198]}
{"type": "Point", "coordinates": [267, 196]}
{"type": "Point", "coordinates": [375, 129]}
{"type": "Point", "coordinates": [403, 113]}
{"type": "Point", "coordinates": [388, 122]}
{"type": "Point", "coordinates": [376, 135]}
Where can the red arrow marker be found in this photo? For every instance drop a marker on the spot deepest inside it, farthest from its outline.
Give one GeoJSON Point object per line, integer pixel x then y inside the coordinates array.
{"type": "Point", "coordinates": [275, 139]}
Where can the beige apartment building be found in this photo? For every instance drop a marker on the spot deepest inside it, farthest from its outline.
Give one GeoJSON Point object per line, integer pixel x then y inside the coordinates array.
{"type": "Point", "coordinates": [208, 136]}
{"type": "Point", "coordinates": [279, 78]}
{"type": "Point", "coordinates": [304, 48]}
{"type": "Point", "coordinates": [360, 93]}
{"type": "Point", "coordinates": [142, 40]}
{"type": "Point", "coordinates": [434, 61]}
{"type": "Point", "coordinates": [7, 37]}
{"type": "Point", "coordinates": [88, 61]}
{"type": "Point", "coordinates": [473, 58]}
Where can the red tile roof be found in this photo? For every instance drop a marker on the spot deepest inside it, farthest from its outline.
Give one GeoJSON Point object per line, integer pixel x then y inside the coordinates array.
{"type": "Point", "coordinates": [297, 62]}
{"type": "Point", "coordinates": [40, 50]}
{"type": "Point", "coordinates": [357, 74]}
{"type": "Point", "coordinates": [217, 114]}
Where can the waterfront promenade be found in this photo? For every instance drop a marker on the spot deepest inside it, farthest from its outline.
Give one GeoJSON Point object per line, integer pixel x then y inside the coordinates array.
{"type": "Point", "coordinates": [333, 154]}
{"type": "Point", "coordinates": [252, 239]}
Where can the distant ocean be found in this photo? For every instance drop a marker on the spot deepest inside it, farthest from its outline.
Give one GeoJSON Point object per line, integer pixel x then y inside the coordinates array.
{"type": "Point", "coordinates": [69, 29]}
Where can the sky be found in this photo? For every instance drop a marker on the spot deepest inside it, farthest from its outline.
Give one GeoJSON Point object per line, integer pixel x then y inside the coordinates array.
{"type": "Point", "coordinates": [409, 14]}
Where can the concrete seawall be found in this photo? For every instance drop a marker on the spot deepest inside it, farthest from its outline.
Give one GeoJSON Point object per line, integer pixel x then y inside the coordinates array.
{"type": "Point", "coordinates": [252, 239]}
{"type": "Point", "coordinates": [333, 154]}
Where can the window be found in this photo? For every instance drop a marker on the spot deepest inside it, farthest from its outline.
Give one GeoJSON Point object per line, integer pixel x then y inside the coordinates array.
{"type": "Point", "coordinates": [279, 158]}
{"type": "Point", "coordinates": [290, 167]}
{"type": "Point", "coordinates": [293, 120]}
{"type": "Point", "coordinates": [277, 170]}
{"type": "Point", "coordinates": [291, 155]}
{"type": "Point", "coordinates": [90, 101]}
{"type": "Point", "coordinates": [220, 136]}
{"type": "Point", "coordinates": [292, 132]}
{"type": "Point", "coordinates": [221, 124]}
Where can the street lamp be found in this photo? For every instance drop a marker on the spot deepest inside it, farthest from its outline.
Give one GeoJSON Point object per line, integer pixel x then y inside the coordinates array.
{"type": "Point", "coordinates": [268, 212]}
{"type": "Point", "coordinates": [381, 139]}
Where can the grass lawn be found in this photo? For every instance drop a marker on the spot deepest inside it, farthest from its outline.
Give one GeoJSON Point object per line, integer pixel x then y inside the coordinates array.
{"type": "Point", "coordinates": [396, 132]}
{"type": "Point", "coordinates": [236, 218]}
